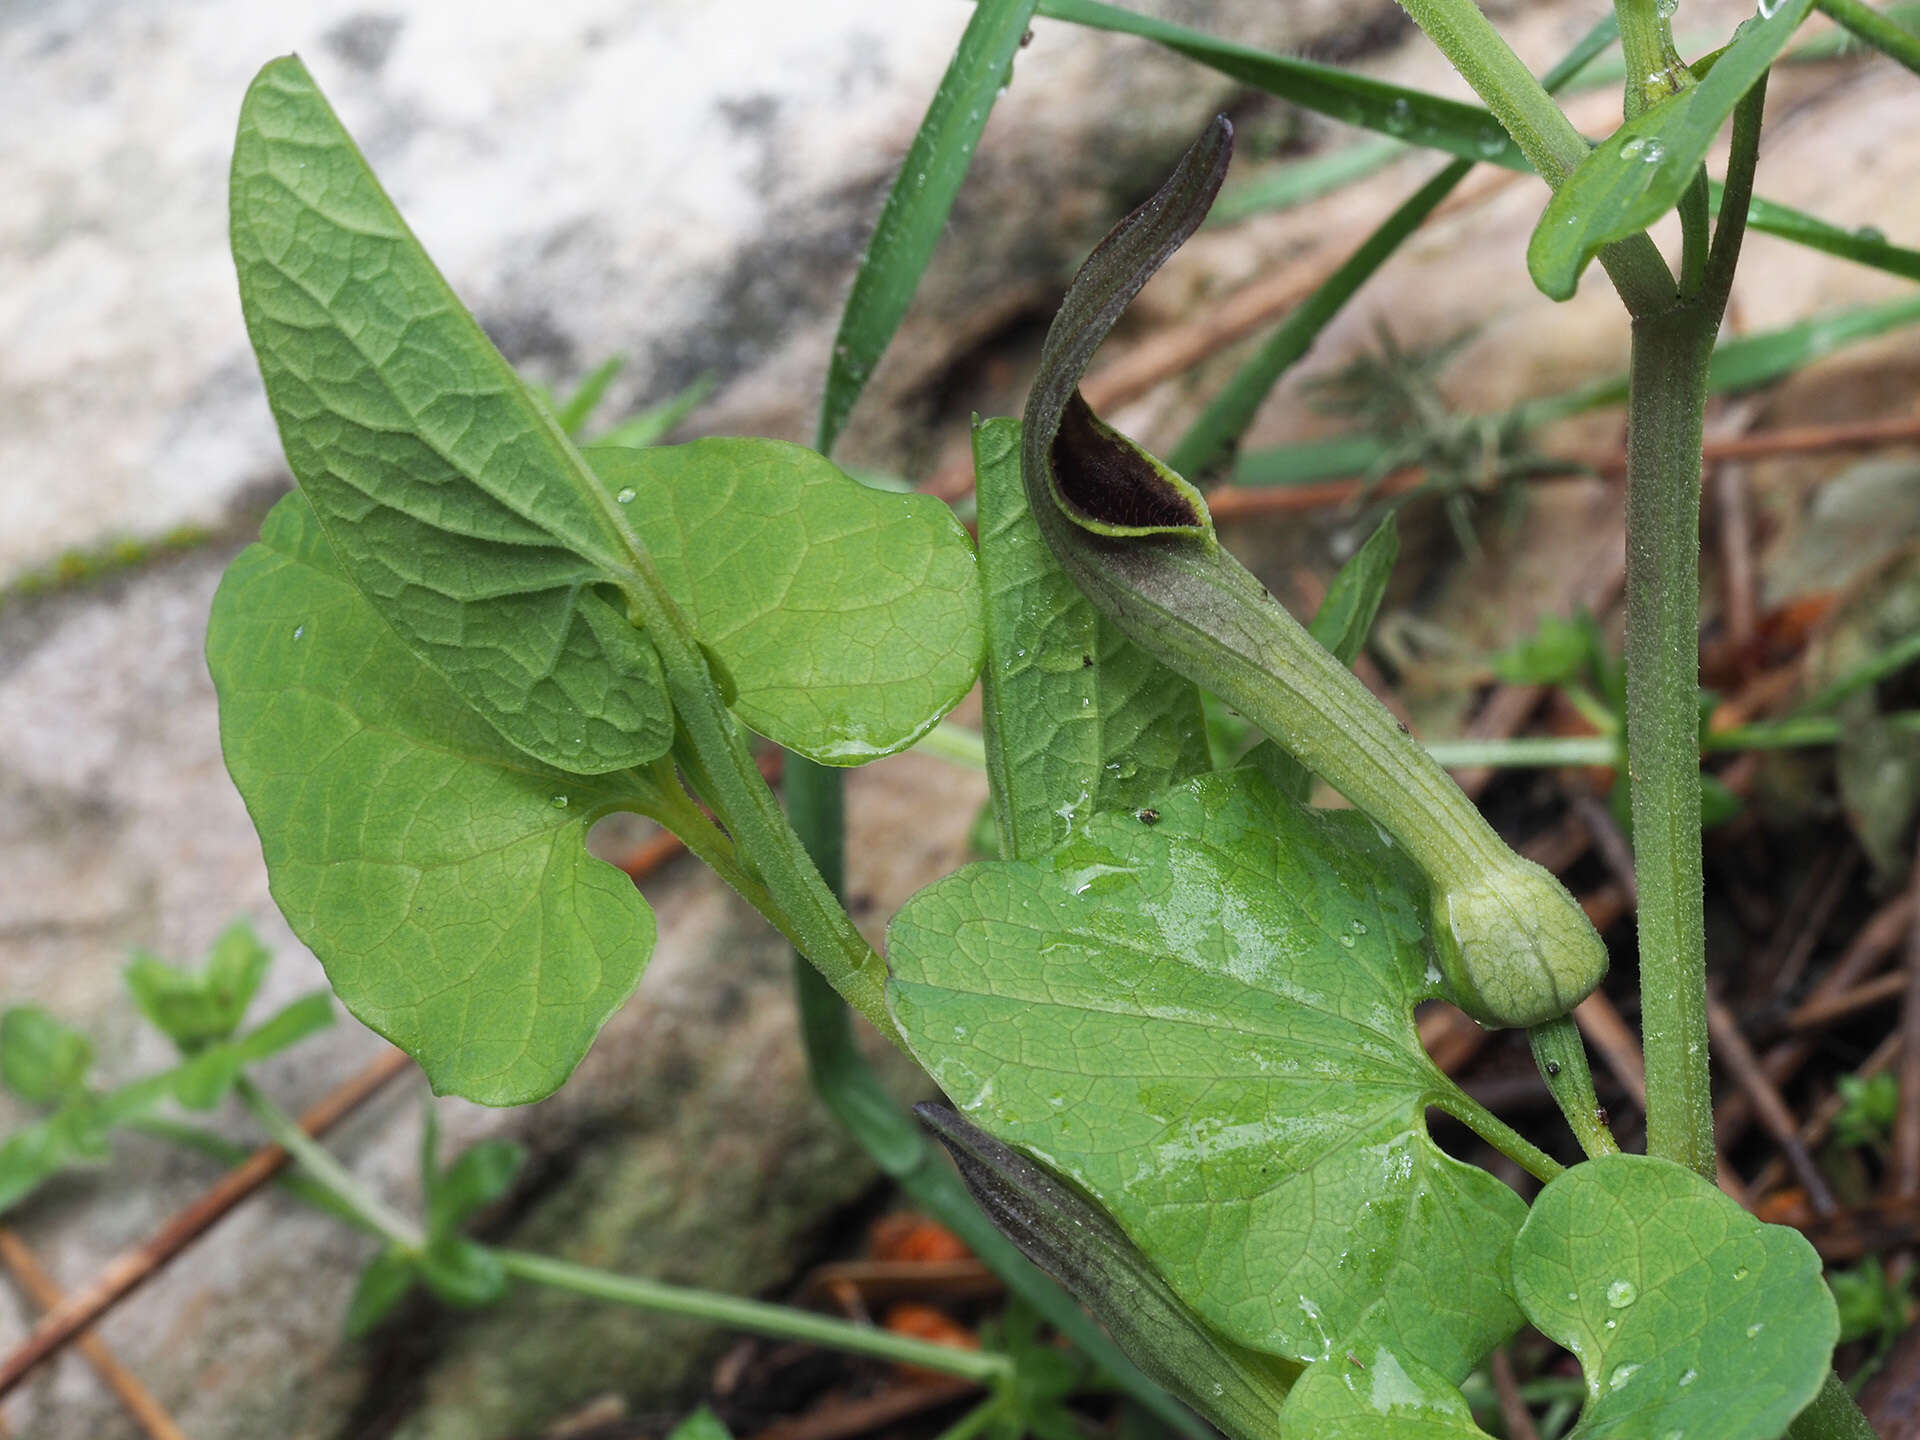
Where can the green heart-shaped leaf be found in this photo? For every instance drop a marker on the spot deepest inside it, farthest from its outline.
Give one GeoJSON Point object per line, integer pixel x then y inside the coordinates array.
{"type": "Point", "coordinates": [1206, 1023]}
{"type": "Point", "coordinates": [438, 872]}
{"type": "Point", "coordinates": [1688, 1315]}
{"type": "Point", "coordinates": [847, 618]}
{"type": "Point", "coordinates": [450, 492]}
{"type": "Point", "coordinates": [1371, 1388]}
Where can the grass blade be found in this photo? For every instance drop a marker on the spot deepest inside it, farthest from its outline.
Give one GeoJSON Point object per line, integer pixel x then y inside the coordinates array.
{"type": "Point", "coordinates": [917, 206]}
{"type": "Point", "coordinates": [1215, 434]}
{"type": "Point", "coordinates": [1881, 31]}
{"type": "Point", "coordinates": [578, 407]}
{"type": "Point", "coordinates": [1462, 130]}
{"type": "Point", "coordinates": [1414, 116]}
{"type": "Point", "coordinates": [637, 432]}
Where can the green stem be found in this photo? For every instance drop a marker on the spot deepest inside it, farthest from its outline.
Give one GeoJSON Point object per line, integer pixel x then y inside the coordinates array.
{"type": "Point", "coordinates": [975, 1420]}
{"type": "Point", "coordinates": [1538, 126]}
{"type": "Point", "coordinates": [1694, 230]}
{"type": "Point", "coordinates": [1562, 1058]}
{"type": "Point", "coordinates": [668, 803]}
{"type": "Point", "coordinates": [778, 1321]}
{"type": "Point", "coordinates": [1528, 751]}
{"type": "Point", "coordinates": [1833, 1415]}
{"type": "Point", "coordinates": [1889, 38]}
{"type": "Point", "coordinates": [960, 746]}
{"type": "Point", "coordinates": [1495, 1131]}
{"type": "Point", "coordinates": [1654, 69]}
{"type": "Point", "coordinates": [798, 901]}
{"type": "Point", "coordinates": [854, 1094]}
{"type": "Point", "coordinates": [1666, 401]}
{"type": "Point", "coordinates": [327, 1172]}
{"type": "Point", "coordinates": [1871, 671]}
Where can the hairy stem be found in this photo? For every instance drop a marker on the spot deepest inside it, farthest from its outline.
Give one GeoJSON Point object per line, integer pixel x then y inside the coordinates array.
{"type": "Point", "coordinates": [1495, 1131]}
{"type": "Point", "coordinates": [1562, 1058]}
{"type": "Point", "coordinates": [1538, 126]}
{"type": "Point", "coordinates": [850, 1089]}
{"type": "Point", "coordinates": [1666, 401]}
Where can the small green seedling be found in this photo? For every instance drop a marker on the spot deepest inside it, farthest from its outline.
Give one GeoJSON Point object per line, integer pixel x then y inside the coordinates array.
{"type": "Point", "coordinates": [46, 1063]}
{"type": "Point", "coordinates": [1176, 1015]}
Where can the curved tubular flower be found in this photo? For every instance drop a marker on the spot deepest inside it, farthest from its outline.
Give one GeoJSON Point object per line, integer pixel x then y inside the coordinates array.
{"type": "Point", "coordinates": [1514, 946]}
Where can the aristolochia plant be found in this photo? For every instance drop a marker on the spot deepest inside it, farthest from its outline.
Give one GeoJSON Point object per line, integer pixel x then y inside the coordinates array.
{"type": "Point", "coordinates": [1176, 1016]}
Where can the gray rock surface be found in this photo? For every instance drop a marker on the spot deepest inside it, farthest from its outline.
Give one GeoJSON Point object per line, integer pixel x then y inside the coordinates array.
{"type": "Point", "coordinates": [688, 185]}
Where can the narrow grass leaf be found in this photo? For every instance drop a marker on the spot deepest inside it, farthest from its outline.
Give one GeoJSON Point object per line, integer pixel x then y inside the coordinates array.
{"type": "Point", "coordinates": [917, 206]}
{"type": "Point", "coordinates": [1864, 246]}
{"type": "Point", "coordinates": [578, 407]}
{"type": "Point", "coordinates": [1639, 172]}
{"type": "Point", "coordinates": [1298, 181]}
{"type": "Point", "coordinates": [1414, 116]}
{"type": "Point", "coordinates": [652, 425]}
{"type": "Point", "coordinates": [1216, 433]}
{"type": "Point", "coordinates": [438, 872]}
{"type": "Point", "coordinates": [1743, 363]}
{"type": "Point", "coordinates": [1077, 718]}
{"type": "Point", "coordinates": [448, 490]}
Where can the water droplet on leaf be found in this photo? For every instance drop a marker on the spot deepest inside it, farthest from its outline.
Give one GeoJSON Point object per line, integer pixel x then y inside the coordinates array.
{"type": "Point", "coordinates": [1622, 1293]}
{"type": "Point", "coordinates": [625, 497]}
{"type": "Point", "coordinates": [559, 802]}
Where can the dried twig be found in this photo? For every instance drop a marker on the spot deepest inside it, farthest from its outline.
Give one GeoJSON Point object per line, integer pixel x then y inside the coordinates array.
{"type": "Point", "coordinates": [841, 1419]}
{"type": "Point", "coordinates": [134, 1397]}
{"type": "Point", "coordinates": [1813, 904]}
{"type": "Point", "coordinates": [1820, 1124]}
{"type": "Point", "coordinates": [1731, 1049]}
{"type": "Point", "coordinates": [1737, 589]}
{"type": "Point", "coordinates": [876, 1281]}
{"type": "Point", "coordinates": [133, 1268]}
{"type": "Point", "coordinates": [1824, 1010]}
{"type": "Point", "coordinates": [1513, 1408]}
{"type": "Point", "coordinates": [1885, 929]}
